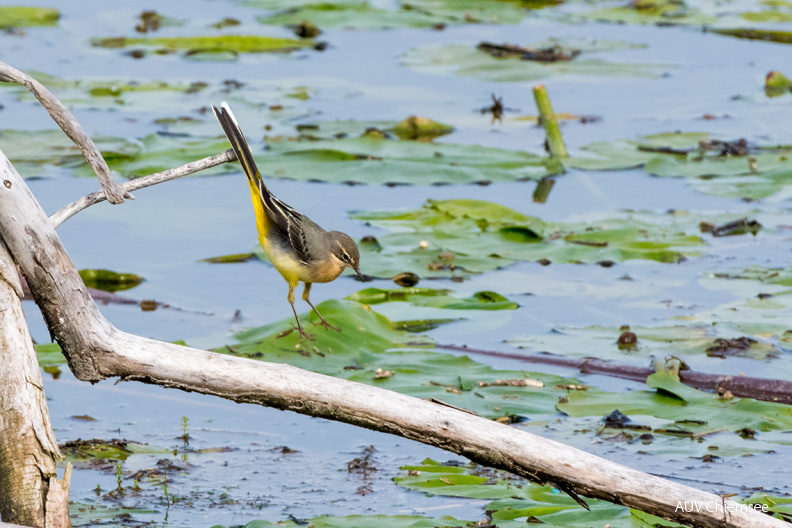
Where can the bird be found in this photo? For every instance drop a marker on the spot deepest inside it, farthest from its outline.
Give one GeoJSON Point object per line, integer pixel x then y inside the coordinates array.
{"type": "Point", "coordinates": [297, 247]}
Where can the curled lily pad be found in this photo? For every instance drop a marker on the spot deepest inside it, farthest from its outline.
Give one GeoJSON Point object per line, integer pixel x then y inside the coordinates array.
{"type": "Point", "coordinates": [415, 127]}
{"type": "Point", "coordinates": [27, 16]}
{"type": "Point", "coordinates": [776, 83]}
{"type": "Point", "coordinates": [471, 61]}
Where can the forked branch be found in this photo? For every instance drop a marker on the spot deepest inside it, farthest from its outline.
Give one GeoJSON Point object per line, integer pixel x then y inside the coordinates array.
{"type": "Point", "coordinates": [71, 127]}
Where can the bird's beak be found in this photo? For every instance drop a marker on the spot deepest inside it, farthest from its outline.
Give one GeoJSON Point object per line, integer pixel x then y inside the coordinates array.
{"type": "Point", "coordinates": [362, 277]}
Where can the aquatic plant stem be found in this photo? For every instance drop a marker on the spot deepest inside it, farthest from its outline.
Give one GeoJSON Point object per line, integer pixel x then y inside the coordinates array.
{"type": "Point", "coordinates": [770, 390]}
{"type": "Point", "coordinates": [139, 183]}
{"type": "Point", "coordinates": [71, 127]}
{"type": "Point", "coordinates": [547, 117]}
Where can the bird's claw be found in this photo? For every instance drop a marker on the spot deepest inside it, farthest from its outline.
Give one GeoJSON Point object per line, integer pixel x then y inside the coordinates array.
{"type": "Point", "coordinates": [327, 325]}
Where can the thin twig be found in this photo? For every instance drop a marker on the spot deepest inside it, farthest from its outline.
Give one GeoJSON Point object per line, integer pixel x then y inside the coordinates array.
{"type": "Point", "coordinates": [139, 183]}
{"type": "Point", "coordinates": [71, 127]}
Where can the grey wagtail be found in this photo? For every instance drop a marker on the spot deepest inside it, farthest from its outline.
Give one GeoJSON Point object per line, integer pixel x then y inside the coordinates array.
{"type": "Point", "coordinates": [298, 248]}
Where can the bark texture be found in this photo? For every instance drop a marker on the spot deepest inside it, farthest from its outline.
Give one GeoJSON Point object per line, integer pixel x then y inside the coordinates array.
{"type": "Point", "coordinates": [30, 493]}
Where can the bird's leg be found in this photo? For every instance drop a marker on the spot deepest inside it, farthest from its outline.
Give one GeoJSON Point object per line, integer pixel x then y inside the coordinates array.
{"type": "Point", "coordinates": [303, 333]}
{"type": "Point", "coordinates": [306, 294]}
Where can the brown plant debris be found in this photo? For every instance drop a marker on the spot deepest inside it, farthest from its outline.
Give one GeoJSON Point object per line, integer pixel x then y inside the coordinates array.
{"type": "Point", "coordinates": [544, 54]}
{"type": "Point", "coordinates": [736, 227]}
{"type": "Point", "coordinates": [728, 347]}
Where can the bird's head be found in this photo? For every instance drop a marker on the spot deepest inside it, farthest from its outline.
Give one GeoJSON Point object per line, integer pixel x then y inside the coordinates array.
{"type": "Point", "coordinates": [346, 251]}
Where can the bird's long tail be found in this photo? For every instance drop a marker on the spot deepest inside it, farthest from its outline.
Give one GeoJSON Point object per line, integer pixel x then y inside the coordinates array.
{"type": "Point", "coordinates": [231, 128]}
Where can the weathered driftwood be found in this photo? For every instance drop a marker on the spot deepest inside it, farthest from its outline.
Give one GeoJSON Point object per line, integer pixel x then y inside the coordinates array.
{"type": "Point", "coordinates": [97, 350]}
{"type": "Point", "coordinates": [30, 493]}
{"type": "Point", "coordinates": [71, 127]}
{"type": "Point", "coordinates": [771, 390]}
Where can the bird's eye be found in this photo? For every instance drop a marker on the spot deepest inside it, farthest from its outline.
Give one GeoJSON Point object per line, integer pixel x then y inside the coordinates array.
{"type": "Point", "coordinates": [345, 257]}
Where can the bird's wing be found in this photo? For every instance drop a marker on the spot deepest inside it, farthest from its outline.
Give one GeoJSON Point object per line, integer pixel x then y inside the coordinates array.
{"type": "Point", "coordinates": [289, 220]}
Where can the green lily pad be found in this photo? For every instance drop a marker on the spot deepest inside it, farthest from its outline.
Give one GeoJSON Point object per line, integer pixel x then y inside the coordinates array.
{"type": "Point", "coordinates": [363, 521]}
{"type": "Point", "coordinates": [27, 16]}
{"type": "Point", "coordinates": [783, 37]}
{"type": "Point", "coordinates": [468, 61]}
{"type": "Point", "coordinates": [370, 350]}
{"type": "Point", "coordinates": [514, 498]}
{"type": "Point", "coordinates": [159, 152]}
{"type": "Point", "coordinates": [109, 281]}
{"type": "Point", "coordinates": [378, 159]}
{"type": "Point", "coordinates": [221, 47]}
{"type": "Point", "coordinates": [28, 150]}
{"type": "Point", "coordinates": [50, 355]}
{"type": "Point", "coordinates": [359, 14]}
{"type": "Point", "coordinates": [483, 300]}
{"type": "Point", "coordinates": [470, 236]}
{"type": "Point", "coordinates": [662, 341]}
{"type": "Point", "coordinates": [758, 174]}
{"type": "Point", "coordinates": [663, 12]}
{"type": "Point", "coordinates": [699, 411]}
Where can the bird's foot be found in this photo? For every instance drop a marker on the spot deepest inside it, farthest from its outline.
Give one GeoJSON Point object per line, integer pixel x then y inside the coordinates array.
{"type": "Point", "coordinates": [303, 334]}
{"type": "Point", "coordinates": [327, 325]}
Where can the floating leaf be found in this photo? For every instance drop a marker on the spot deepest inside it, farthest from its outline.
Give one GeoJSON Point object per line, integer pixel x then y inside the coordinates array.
{"type": "Point", "coordinates": [218, 46]}
{"type": "Point", "coordinates": [25, 16]}
{"type": "Point", "coordinates": [784, 37]}
{"type": "Point", "coordinates": [109, 281]}
{"type": "Point", "coordinates": [468, 61]}
{"type": "Point", "coordinates": [476, 236]}
{"type": "Point", "coordinates": [660, 12]}
{"type": "Point", "coordinates": [758, 174]}
{"type": "Point", "coordinates": [359, 14]}
{"type": "Point", "coordinates": [684, 341]}
{"type": "Point", "coordinates": [516, 498]}
{"type": "Point", "coordinates": [377, 159]}
{"type": "Point", "coordinates": [369, 341]}
{"type": "Point", "coordinates": [483, 300]}
{"type": "Point", "coordinates": [699, 411]}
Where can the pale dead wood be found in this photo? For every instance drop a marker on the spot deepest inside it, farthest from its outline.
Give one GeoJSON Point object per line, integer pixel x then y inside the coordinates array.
{"type": "Point", "coordinates": [139, 183]}
{"type": "Point", "coordinates": [97, 350]}
{"type": "Point", "coordinates": [71, 127]}
{"type": "Point", "coordinates": [30, 491]}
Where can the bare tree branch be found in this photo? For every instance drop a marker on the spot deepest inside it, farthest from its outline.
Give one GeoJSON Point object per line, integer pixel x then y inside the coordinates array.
{"type": "Point", "coordinates": [139, 183]}
{"type": "Point", "coordinates": [97, 350]}
{"type": "Point", "coordinates": [71, 127]}
{"type": "Point", "coordinates": [28, 450]}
